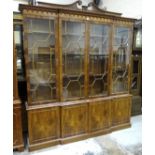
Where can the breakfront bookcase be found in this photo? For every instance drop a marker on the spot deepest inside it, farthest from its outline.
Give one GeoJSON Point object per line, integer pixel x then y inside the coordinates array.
{"type": "Point", "coordinates": [17, 108]}
{"type": "Point", "coordinates": [78, 72]}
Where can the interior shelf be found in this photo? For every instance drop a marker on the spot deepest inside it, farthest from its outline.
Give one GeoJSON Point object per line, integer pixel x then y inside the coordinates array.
{"type": "Point", "coordinates": [94, 74]}
{"type": "Point", "coordinates": [98, 36]}
{"type": "Point", "coordinates": [74, 75]}
{"type": "Point", "coordinates": [40, 32]}
{"type": "Point", "coordinates": [73, 34]}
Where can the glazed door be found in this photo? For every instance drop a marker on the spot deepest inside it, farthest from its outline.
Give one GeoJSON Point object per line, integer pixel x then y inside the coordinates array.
{"type": "Point", "coordinates": [99, 49]}
{"type": "Point", "coordinates": [73, 54]}
{"type": "Point", "coordinates": [41, 59]}
{"type": "Point", "coordinates": [121, 59]}
{"type": "Point", "coordinates": [136, 75]}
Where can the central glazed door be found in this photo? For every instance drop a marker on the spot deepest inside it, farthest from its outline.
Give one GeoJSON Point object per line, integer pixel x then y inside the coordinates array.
{"type": "Point", "coordinates": [99, 53]}
{"type": "Point", "coordinates": [72, 55]}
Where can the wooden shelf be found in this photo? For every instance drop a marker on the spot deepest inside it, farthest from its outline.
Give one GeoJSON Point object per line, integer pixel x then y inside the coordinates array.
{"type": "Point", "coordinates": [46, 53]}
{"type": "Point", "coordinates": [73, 34]}
{"type": "Point", "coordinates": [40, 32]}
{"type": "Point", "coordinates": [98, 36]}
{"type": "Point", "coordinates": [79, 75]}
{"type": "Point", "coordinates": [72, 54]}
{"type": "Point", "coordinates": [91, 74]}
{"type": "Point", "coordinates": [119, 68]}
{"type": "Point", "coordinates": [99, 55]}
{"type": "Point", "coordinates": [42, 83]}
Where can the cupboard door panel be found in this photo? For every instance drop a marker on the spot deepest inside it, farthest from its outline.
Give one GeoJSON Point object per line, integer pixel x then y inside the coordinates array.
{"type": "Point", "coordinates": [99, 115]}
{"type": "Point", "coordinates": [136, 105]}
{"type": "Point", "coordinates": [17, 127]}
{"type": "Point", "coordinates": [121, 108]}
{"type": "Point", "coordinates": [74, 120]}
{"type": "Point", "coordinates": [44, 124]}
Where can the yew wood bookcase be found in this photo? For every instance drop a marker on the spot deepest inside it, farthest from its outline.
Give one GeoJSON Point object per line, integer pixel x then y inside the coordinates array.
{"type": "Point", "coordinates": [77, 62]}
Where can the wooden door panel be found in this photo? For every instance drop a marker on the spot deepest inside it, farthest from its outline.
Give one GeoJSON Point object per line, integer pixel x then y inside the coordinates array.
{"type": "Point", "coordinates": [99, 115]}
{"type": "Point", "coordinates": [44, 124]}
{"type": "Point", "coordinates": [17, 127]}
{"type": "Point", "coordinates": [121, 108]}
{"type": "Point", "coordinates": [74, 120]}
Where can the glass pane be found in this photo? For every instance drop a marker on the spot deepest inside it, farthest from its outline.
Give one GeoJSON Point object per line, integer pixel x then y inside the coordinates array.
{"type": "Point", "coordinates": [134, 84]}
{"type": "Point", "coordinates": [138, 39]}
{"type": "Point", "coordinates": [73, 44]}
{"type": "Point", "coordinates": [121, 45]}
{"type": "Point", "coordinates": [98, 59]}
{"type": "Point", "coordinates": [135, 66]}
{"type": "Point", "coordinates": [41, 59]}
{"type": "Point", "coordinates": [18, 30]}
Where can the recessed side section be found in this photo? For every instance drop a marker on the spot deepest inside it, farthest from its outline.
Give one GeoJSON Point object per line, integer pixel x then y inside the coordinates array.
{"type": "Point", "coordinates": [17, 127]}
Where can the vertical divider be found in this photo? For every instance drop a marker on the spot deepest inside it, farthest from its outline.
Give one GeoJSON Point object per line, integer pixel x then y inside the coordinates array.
{"type": "Point", "coordinates": [25, 30]}
{"type": "Point", "coordinates": [86, 63]}
{"type": "Point", "coordinates": [130, 60]}
{"type": "Point", "coordinates": [56, 57]}
{"type": "Point", "coordinates": [59, 68]}
{"type": "Point", "coordinates": [60, 58]}
{"type": "Point", "coordinates": [87, 69]}
{"type": "Point", "coordinates": [131, 74]}
{"type": "Point", "coordinates": [110, 67]}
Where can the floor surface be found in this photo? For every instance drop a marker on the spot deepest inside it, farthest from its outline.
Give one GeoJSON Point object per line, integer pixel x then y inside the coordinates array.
{"type": "Point", "coordinates": [122, 142]}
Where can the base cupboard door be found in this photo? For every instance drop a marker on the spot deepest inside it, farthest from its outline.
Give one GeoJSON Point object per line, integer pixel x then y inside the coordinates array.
{"type": "Point", "coordinates": [17, 128]}
{"type": "Point", "coordinates": [121, 109]}
{"type": "Point", "coordinates": [74, 120]}
{"type": "Point", "coordinates": [99, 115]}
{"type": "Point", "coordinates": [44, 125]}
